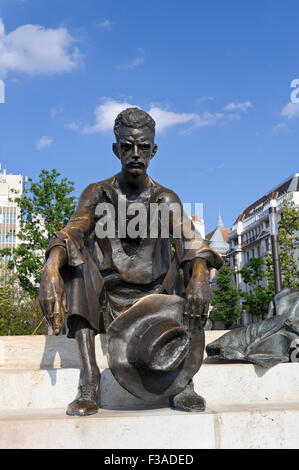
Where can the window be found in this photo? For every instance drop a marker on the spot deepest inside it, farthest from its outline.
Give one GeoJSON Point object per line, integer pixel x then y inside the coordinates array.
{"type": "Point", "coordinates": [7, 218]}
{"type": "Point", "coordinates": [7, 237]}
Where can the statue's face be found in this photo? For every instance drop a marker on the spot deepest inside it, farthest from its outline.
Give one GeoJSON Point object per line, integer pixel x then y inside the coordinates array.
{"type": "Point", "coordinates": [135, 148]}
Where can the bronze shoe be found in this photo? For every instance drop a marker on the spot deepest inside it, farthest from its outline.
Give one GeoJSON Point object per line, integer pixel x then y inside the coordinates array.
{"type": "Point", "coordinates": [188, 400]}
{"type": "Point", "coordinates": [86, 402]}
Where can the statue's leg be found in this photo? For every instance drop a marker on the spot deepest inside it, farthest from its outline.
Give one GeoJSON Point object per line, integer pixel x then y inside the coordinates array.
{"type": "Point", "coordinates": [188, 400]}
{"type": "Point", "coordinates": [87, 400]}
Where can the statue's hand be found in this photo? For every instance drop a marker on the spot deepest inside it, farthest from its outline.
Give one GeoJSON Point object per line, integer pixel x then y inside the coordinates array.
{"type": "Point", "coordinates": [198, 296]}
{"type": "Point", "coordinates": [52, 296]}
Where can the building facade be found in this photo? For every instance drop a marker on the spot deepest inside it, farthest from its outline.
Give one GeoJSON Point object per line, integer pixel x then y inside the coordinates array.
{"type": "Point", "coordinates": [9, 212]}
{"type": "Point", "coordinates": [250, 234]}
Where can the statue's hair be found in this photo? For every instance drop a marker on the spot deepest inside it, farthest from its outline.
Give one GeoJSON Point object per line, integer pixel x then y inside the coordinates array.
{"type": "Point", "coordinates": [133, 117]}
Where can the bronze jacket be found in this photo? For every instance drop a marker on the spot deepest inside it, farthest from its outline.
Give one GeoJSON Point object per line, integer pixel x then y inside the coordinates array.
{"type": "Point", "coordinates": [94, 262]}
{"type": "Point", "coordinates": [153, 256]}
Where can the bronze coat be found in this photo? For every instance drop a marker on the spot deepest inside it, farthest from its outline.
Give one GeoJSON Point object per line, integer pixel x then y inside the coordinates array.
{"type": "Point", "coordinates": [102, 279]}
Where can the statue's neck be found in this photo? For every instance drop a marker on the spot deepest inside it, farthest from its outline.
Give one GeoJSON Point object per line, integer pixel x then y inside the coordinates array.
{"type": "Point", "coordinates": [132, 184]}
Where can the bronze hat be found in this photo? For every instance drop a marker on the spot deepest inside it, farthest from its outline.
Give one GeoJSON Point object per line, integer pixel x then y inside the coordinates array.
{"type": "Point", "coordinates": [149, 351]}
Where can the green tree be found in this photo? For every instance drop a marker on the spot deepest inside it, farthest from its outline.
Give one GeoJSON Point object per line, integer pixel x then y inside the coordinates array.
{"type": "Point", "coordinates": [259, 269]}
{"type": "Point", "coordinates": [288, 244]}
{"type": "Point", "coordinates": [45, 207]}
{"type": "Point", "coordinates": [288, 239]}
{"type": "Point", "coordinates": [225, 301]}
{"type": "Point", "coordinates": [19, 313]}
{"type": "Point", "coordinates": [256, 302]}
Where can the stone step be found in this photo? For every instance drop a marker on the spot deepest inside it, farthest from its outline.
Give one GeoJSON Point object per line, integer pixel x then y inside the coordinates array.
{"type": "Point", "coordinates": [219, 383]}
{"type": "Point", "coordinates": [258, 426]}
{"type": "Point", "coordinates": [34, 352]}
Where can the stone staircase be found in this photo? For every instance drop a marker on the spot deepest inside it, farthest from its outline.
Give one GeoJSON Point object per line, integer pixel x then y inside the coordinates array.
{"type": "Point", "coordinates": [247, 406]}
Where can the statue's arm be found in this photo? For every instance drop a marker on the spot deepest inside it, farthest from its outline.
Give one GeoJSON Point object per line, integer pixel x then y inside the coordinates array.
{"type": "Point", "coordinates": [52, 296]}
{"type": "Point", "coordinates": [57, 258]}
{"type": "Point", "coordinates": [65, 249]}
{"type": "Point", "coordinates": [81, 222]}
{"type": "Point", "coordinates": [195, 259]}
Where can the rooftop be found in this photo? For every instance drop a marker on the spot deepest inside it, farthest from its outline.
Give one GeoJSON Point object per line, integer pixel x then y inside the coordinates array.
{"type": "Point", "coordinates": [217, 238]}
{"type": "Point", "coordinates": [288, 185]}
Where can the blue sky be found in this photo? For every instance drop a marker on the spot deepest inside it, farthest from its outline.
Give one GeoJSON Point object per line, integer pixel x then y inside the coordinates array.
{"type": "Point", "coordinates": [215, 75]}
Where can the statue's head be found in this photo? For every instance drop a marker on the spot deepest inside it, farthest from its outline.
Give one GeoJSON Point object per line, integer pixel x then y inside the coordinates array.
{"type": "Point", "coordinates": [135, 146]}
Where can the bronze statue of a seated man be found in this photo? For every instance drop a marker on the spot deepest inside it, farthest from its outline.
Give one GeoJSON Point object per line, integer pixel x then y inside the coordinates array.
{"type": "Point", "coordinates": [96, 279]}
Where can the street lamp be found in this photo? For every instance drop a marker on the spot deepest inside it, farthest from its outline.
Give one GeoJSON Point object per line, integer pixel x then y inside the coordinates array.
{"type": "Point", "coordinates": [275, 246]}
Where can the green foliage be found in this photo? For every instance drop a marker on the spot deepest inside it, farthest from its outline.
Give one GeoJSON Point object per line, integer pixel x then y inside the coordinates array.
{"type": "Point", "coordinates": [256, 303]}
{"type": "Point", "coordinates": [19, 313]}
{"type": "Point", "coordinates": [45, 207]}
{"type": "Point", "coordinates": [288, 244]}
{"type": "Point", "coordinates": [225, 301]}
{"type": "Point", "coordinates": [258, 269]}
{"type": "Point", "coordinates": [253, 272]}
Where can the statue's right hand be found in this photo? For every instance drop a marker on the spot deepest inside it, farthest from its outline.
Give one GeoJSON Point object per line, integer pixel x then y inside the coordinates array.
{"type": "Point", "coordinates": [52, 297]}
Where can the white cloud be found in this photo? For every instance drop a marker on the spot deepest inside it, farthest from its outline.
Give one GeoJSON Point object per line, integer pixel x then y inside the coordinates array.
{"type": "Point", "coordinates": [204, 98]}
{"type": "Point", "coordinates": [74, 126]}
{"type": "Point", "coordinates": [107, 24]}
{"type": "Point", "coordinates": [165, 119]}
{"type": "Point", "coordinates": [282, 126]}
{"type": "Point", "coordinates": [105, 115]}
{"type": "Point", "coordinates": [290, 110]}
{"type": "Point", "coordinates": [34, 49]}
{"type": "Point", "coordinates": [138, 61]}
{"type": "Point", "coordinates": [43, 142]}
{"type": "Point", "coordinates": [55, 111]}
{"type": "Point", "coordinates": [107, 111]}
{"type": "Point", "coordinates": [243, 107]}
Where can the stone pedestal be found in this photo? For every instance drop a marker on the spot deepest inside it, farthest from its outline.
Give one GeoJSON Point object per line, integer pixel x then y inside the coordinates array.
{"type": "Point", "coordinates": [247, 406]}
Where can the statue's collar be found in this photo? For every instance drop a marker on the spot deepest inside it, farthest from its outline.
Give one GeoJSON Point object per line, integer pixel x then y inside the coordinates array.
{"type": "Point", "coordinates": [112, 188]}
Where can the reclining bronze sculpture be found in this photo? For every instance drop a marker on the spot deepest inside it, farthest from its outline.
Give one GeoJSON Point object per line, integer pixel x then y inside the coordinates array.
{"type": "Point", "coordinates": [268, 342]}
{"type": "Point", "coordinates": [153, 305]}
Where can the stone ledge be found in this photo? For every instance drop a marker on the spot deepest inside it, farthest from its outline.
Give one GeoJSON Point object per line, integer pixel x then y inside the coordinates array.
{"type": "Point", "coordinates": [253, 426]}
{"type": "Point", "coordinates": [218, 383]}
{"type": "Point", "coordinates": [34, 352]}
{"type": "Point", "coordinates": [152, 428]}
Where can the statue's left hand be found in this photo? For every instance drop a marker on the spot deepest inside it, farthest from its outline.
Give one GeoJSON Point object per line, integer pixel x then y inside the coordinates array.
{"type": "Point", "coordinates": [198, 296]}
